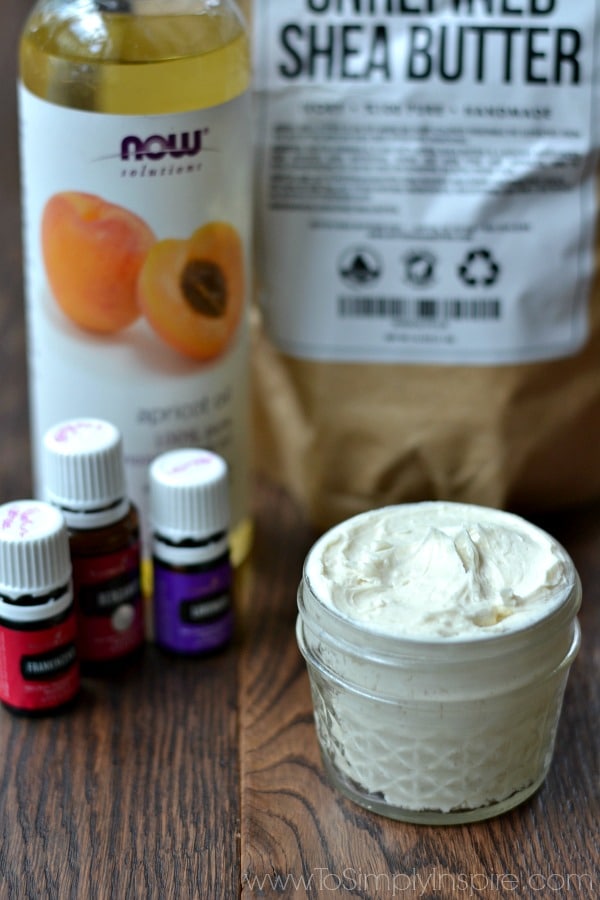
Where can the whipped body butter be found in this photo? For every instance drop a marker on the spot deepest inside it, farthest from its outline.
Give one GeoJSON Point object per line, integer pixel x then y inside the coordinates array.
{"type": "Point", "coordinates": [438, 639]}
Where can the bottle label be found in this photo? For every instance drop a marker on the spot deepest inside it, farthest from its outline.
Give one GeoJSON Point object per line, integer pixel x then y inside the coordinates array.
{"type": "Point", "coordinates": [39, 669]}
{"type": "Point", "coordinates": [426, 179]}
{"type": "Point", "coordinates": [192, 610]}
{"type": "Point", "coordinates": [109, 604]}
{"type": "Point", "coordinates": [136, 232]}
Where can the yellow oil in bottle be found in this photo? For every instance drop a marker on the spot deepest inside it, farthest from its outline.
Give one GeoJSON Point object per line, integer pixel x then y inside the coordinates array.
{"type": "Point", "coordinates": [78, 54]}
{"type": "Point", "coordinates": [140, 58]}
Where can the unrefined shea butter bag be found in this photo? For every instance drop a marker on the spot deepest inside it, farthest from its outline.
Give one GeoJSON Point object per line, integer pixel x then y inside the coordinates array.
{"type": "Point", "coordinates": [429, 311]}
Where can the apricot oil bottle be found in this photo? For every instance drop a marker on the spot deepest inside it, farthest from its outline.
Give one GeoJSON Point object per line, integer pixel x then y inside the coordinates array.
{"type": "Point", "coordinates": [136, 170]}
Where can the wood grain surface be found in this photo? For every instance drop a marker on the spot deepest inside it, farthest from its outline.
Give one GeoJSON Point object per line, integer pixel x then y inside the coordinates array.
{"type": "Point", "coordinates": [300, 838]}
{"type": "Point", "coordinates": [202, 779]}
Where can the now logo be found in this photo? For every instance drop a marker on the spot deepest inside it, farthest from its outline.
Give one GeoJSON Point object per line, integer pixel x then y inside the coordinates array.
{"type": "Point", "coordinates": [158, 146]}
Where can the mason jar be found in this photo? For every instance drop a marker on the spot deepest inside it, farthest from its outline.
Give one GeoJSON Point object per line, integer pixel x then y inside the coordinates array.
{"type": "Point", "coordinates": [431, 727]}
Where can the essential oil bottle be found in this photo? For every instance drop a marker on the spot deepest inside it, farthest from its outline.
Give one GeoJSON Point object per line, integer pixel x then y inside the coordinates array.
{"type": "Point", "coordinates": [85, 479]}
{"type": "Point", "coordinates": [193, 610]}
{"type": "Point", "coordinates": [136, 157]}
{"type": "Point", "coordinates": [39, 669]}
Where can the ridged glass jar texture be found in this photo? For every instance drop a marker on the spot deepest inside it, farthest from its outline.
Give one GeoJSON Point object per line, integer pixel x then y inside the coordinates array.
{"type": "Point", "coordinates": [440, 731]}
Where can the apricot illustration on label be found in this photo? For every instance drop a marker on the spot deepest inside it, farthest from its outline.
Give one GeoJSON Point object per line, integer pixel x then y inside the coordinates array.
{"type": "Point", "coordinates": [192, 292]}
{"type": "Point", "coordinates": [93, 251]}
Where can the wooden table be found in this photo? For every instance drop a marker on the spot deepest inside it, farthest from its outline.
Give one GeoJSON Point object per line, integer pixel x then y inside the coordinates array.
{"type": "Point", "coordinates": [202, 779]}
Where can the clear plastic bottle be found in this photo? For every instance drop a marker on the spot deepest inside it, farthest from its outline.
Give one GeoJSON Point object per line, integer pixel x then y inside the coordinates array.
{"type": "Point", "coordinates": [136, 168]}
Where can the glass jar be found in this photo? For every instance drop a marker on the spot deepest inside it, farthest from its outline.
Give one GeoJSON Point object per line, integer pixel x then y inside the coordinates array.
{"type": "Point", "coordinates": [438, 730]}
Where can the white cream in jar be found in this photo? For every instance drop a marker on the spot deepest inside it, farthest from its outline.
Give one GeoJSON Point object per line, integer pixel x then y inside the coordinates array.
{"type": "Point", "coordinates": [438, 639]}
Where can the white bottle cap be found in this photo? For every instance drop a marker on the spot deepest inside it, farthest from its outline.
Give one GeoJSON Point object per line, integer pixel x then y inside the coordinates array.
{"type": "Point", "coordinates": [84, 472]}
{"type": "Point", "coordinates": [189, 495]}
{"type": "Point", "coordinates": [34, 551]}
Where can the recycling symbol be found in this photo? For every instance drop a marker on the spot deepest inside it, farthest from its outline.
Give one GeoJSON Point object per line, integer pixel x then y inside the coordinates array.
{"type": "Point", "coordinates": [479, 268]}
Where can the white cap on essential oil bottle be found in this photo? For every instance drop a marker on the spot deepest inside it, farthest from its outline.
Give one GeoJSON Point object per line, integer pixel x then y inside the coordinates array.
{"type": "Point", "coordinates": [84, 472]}
{"type": "Point", "coordinates": [34, 559]}
{"type": "Point", "coordinates": [189, 495]}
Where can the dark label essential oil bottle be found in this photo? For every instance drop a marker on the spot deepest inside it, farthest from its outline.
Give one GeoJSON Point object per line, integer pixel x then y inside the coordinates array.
{"type": "Point", "coordinates": [189, 510]}
{"type": "Point", "coordinates": [84, 477]}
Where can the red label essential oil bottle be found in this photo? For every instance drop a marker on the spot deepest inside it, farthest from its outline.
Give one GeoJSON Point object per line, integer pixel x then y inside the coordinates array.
{"type": "Point", "coordinates": [39, 669]}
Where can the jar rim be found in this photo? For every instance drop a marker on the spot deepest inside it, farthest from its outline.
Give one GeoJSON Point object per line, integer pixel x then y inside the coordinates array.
{"type": "Point", "coordinates": [560, 613]}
